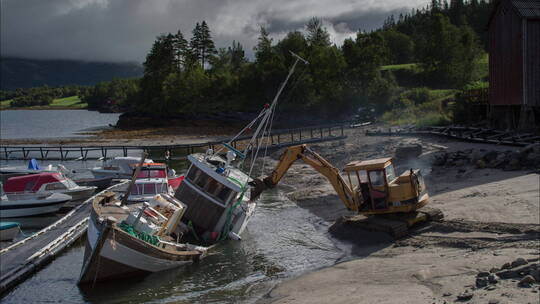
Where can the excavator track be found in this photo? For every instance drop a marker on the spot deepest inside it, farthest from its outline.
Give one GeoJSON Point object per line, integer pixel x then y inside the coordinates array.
{"type": "Point", "coordinates": [397, 225]}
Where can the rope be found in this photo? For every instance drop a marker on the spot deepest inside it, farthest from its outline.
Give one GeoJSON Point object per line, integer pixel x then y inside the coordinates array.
{"type": "Point", "coordinates": [227, 227]}
{"type": "Point", "coordinates": [143, 236]}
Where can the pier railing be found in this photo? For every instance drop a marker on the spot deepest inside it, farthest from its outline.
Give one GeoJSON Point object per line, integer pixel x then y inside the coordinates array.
{"type": "Point", "coordinates": [275, 139]}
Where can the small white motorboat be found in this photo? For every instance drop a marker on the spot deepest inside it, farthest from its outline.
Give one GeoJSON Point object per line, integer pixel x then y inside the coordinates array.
{"type": "Point", "coordinates": [118, 167]}
{"type": "Point", "coordinates": [9, 230]}
{"type": "Point", "coordinates": [26, 205]}
{"type": "Point", "coordinates": [46, 183]}
{"type": "Point", "coordinates": [32, 168]}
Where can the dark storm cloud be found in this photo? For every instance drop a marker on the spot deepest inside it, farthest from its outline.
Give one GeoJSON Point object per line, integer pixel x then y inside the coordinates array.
{"type": "Point", "coordinates": [123, 30]}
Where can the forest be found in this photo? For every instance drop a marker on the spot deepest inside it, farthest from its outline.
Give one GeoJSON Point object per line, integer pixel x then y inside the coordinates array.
{"type": "Point", "coordinates": [412, 59]}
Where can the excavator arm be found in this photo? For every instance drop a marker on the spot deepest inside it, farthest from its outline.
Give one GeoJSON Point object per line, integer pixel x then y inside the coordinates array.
{"type": "Point", "coordinates": [317, 162]}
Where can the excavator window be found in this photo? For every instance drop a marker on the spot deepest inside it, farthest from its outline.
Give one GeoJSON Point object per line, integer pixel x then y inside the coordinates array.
{"type": "Point", "coordinates": [377, 178]}
{"type": "Point", "coordinates": [390, 173]}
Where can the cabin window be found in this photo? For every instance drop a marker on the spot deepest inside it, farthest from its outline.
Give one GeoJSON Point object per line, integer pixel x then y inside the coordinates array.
{"type": "Point", "coordinates": [193, 173]}
{"type": "Point", "coordinates": [149, 188]}
{"type": "Point", "coordinates": [163, 188]}
{"type": "Point", "coordinates": [223, 195]}
{"type": "Point", "coordinates": [55, 186]}
{"type": "Point", "coordinates": [377, 178]}
{"type": "Point", "coordinates": [390, 173]}
{"type": "Point", "coordinates": [135, 190]}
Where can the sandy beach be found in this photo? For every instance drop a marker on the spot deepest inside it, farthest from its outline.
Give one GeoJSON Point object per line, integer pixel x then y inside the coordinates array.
{"type": "Point", "coordinates": [492, 217]}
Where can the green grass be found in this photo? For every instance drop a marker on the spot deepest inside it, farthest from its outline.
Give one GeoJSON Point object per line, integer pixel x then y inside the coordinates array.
{"type": "Point", "coordinates": [429, 113]}
{"type": "Point", "coordinates": [69, 102]}
{"type": "Point", "coordinates": [5, 103]}
{"type": "Point", "coordinates": [405, 66]}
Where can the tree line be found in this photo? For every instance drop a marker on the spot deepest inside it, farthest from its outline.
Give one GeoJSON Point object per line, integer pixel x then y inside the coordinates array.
{"type": "Point", "coordinates": [191, 76]}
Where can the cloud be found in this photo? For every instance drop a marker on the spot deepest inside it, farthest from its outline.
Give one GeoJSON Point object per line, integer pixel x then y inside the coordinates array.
{"type": "Point", "coordinates": [123, 30]}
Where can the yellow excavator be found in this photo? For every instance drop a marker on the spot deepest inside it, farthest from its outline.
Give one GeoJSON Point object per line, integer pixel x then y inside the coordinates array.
{"type": "Point", "coordinates": [389, 203]}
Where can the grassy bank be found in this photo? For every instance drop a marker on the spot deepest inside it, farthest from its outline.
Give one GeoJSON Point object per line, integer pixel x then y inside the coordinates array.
{"type": "Point", "coordinates": [421, 107]}
{"type": "Point", "coordinates": [67, 103]}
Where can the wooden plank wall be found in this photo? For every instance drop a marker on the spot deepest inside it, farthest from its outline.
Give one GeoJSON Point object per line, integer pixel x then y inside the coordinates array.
{"type": "Point", "coordinates": [506, 57]}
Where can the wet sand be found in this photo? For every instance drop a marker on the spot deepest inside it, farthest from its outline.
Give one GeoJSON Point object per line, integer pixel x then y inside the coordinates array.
{"type": "Point", "coordinates": [492, 217]}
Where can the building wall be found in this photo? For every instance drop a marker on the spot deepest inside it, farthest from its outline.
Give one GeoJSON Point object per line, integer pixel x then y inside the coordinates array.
{"type": "Point", "coordinates": [532, 55]}
{"type": "Point", "coordinates": [505, 57]}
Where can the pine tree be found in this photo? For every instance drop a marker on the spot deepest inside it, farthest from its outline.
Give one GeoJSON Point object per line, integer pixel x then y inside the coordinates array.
{"type": "Point", "coordinates": [207, 45]}
{"type": "Point", "coordinates": [317, 35]}
{"type": "Point", "coordinates": [196, 43]}
{"type": "Point", "coordinates": [181, 50]}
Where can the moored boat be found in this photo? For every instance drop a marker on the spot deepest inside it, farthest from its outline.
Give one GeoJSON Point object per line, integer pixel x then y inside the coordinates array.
{"type": "Point", "coordinates": [46, 182]}
{"type": "Point", "coordinates": [118, 167]}
{"type": "Point", "coordinates": [28, 205]}
{"type": "Point", "coordinates": [135, 239]}
{"type": "Point", "coordinates": [9, 230]}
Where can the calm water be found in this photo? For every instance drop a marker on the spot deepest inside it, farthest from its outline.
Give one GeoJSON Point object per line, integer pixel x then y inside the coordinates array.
{"type": "Point", "coordinates": [282, 240]}
{"type": "Point", "coordinates": [20, 124]}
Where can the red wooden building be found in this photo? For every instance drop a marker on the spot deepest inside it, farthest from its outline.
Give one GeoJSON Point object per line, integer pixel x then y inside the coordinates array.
{"type": "Point", "coordinates": [514, 64]}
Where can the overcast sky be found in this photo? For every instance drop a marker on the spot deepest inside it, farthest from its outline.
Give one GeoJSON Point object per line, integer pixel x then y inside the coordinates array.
{"type": "Point", "coordinates": [124, 30]}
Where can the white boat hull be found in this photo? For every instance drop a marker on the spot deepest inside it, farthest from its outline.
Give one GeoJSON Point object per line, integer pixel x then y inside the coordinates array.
{"type": "Point", "coordinates": [29, 207]}
{"type": "Point", "coordinates": [9, 234]}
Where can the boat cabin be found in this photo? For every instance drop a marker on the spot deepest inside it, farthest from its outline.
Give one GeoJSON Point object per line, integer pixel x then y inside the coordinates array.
{"type": "Point", "coordinates": [152, 170]}
{"type": "Point", "coordinates": [209, 189]}
{"type": "Point", "coordinates": [377, 185]}
{"type": "Point", "coordinates": [47, 181]}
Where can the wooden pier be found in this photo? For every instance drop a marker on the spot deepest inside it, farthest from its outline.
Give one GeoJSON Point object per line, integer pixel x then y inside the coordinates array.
{"type": "Point", "coordinates": [479, 135]}
{"type": "Point", "coordinates": [276, 139]}
{"type": "Point", "coordinates": [21, 259]}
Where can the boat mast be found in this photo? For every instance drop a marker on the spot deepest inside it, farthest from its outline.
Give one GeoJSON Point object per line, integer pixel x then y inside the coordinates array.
{"type": "Point", "coordinates": [270, 109]}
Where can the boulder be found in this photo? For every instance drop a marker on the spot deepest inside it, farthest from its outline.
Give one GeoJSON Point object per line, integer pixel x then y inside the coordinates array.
{"type": "Point", "coordinates": [480, 164]}
{"type": "Point", "coordinates": [518, 262]}
{"type": "Point", "coordinates": [465, 296]}
{"type": "Point", "coordinates": [492, 279]}
{"type": "Point", "coordinates": [482, 274]}
{"type": "Point", "coordinates": [408, 151]}
{"type": "Point", "coordinates": [490, 156]}
{"type": "Point", "coordinates": [526, 281]}
{"type": "Point", "coordinates": [507, 274]}
{"type": "Point", "coordinates": [481, 282]}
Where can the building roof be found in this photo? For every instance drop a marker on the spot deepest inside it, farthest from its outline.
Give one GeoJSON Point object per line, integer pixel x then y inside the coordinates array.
{"type": "Point", "coordinates": [527, 9]}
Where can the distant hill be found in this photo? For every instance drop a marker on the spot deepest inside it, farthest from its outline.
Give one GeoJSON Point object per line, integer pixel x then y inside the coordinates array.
{"type": "Point", "coordinates": [25, 73]}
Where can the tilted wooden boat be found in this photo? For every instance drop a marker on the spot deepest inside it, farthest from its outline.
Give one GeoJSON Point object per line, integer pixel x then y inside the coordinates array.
{"type": "Point", "coordinates": [134, 239]}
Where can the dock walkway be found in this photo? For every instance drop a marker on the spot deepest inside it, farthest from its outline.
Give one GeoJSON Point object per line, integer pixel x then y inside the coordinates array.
{"type": "Point", "coordinates": [276, 139]}
{"type": "Point", "coordinates": [21, 259]}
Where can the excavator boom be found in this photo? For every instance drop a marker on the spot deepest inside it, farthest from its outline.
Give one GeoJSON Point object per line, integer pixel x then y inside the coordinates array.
{"type": "Point", "coordinates": [317, 162]}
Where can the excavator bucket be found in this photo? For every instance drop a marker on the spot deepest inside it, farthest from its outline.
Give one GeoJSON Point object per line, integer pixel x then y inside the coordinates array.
{"type": "Point", "coordinates": [257, 187]}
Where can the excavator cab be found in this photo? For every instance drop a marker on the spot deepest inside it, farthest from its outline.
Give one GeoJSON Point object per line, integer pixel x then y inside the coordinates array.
{"type": "Point", "coordinates": [370, 179]}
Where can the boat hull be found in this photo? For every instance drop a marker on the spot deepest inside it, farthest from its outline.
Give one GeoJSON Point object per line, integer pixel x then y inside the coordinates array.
{"type": "Point", "coordinates": [81, 193]}
{"type": "Point", "coordinates": [111, 254]}
{"type": "Point", "coordinates": [30, 207]}
{"type": "Point", "coordinates": [9, 233]}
